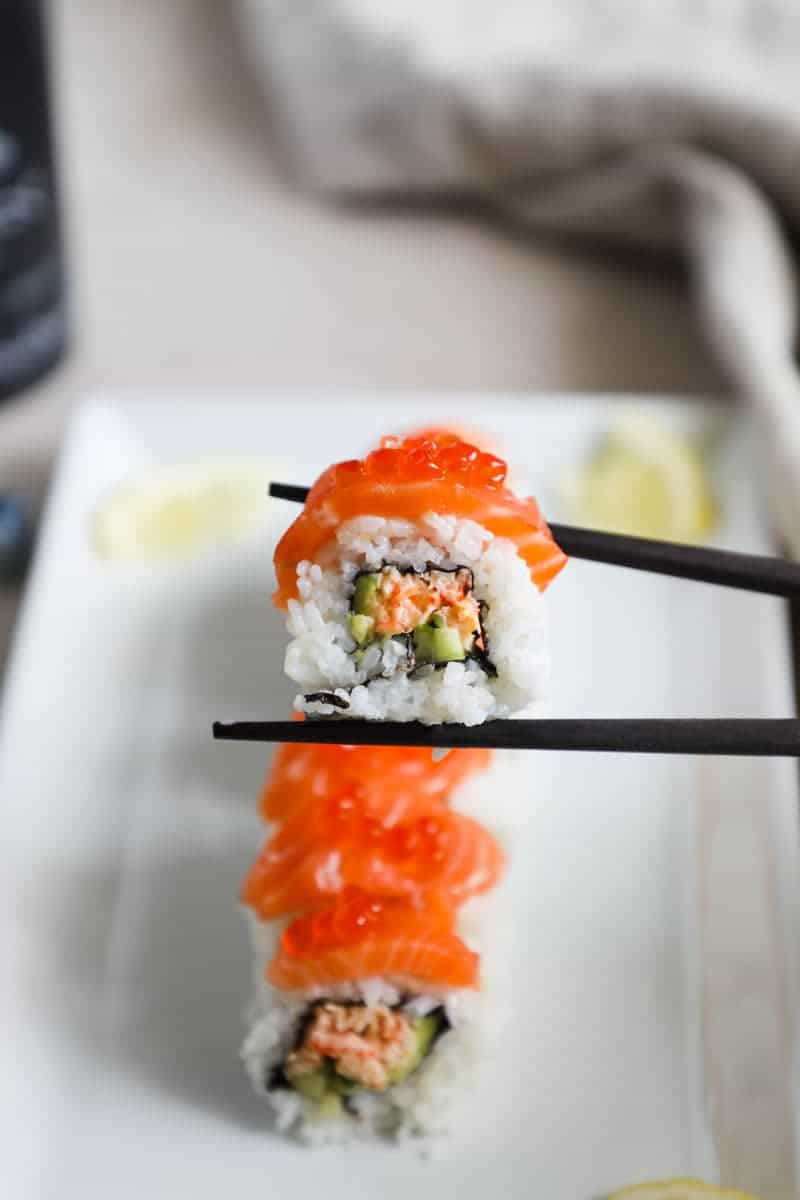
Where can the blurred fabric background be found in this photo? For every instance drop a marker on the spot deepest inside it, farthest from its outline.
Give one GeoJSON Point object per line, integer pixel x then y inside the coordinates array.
{"type": "Point", "coordinates": [198, 260]}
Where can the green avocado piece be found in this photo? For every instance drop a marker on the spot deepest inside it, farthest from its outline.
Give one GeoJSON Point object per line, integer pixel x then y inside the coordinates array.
{"type": "Point", "coordinates": [323, 1083]}
{"type": "Point", "coordinates": [361, 628]}
{"type": "Point", "coordinates": [364, 594]}
{"type": "Point", "coordinates": [423, 642]}
{"type": "Point", "coordinates": [436, 643]}
{"type": "Point", "coordinates": [425, 1030]}
{"type": "Point", "coordinates": [330, 1106]}
{"type": "Point", "coordinates": [344, 1086]}
{"type": "Point", "coordinates": [314, 1085]}
{"type": "Point", "coordinates": [447, 646]}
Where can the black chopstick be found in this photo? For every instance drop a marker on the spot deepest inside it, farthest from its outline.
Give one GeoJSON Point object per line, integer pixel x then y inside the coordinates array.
{"type": "Point", "coordinates": [288, 491]}
{"type": "Point", "coordinates": [741, 737]}
{"type": "Point", "coordinates": [749, 572]}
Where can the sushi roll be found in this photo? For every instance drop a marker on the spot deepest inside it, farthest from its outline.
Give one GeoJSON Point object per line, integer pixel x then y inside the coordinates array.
{"type": "Point", "coordinates": [373, 1006]}
{"type": "Point", "coordinates": [413, 584]}
{"type": "Point", "coordinates": [372, 1018]}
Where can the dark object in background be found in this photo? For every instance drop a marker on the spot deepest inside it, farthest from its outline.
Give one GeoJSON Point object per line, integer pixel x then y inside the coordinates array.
{"type": "Point", "coordinates": [32, 308]}
{"type": "Point", "coordinates": [16, 540]}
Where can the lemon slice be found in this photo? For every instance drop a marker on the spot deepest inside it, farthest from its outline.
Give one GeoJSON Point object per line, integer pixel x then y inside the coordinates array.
{"type": "Point", "coordinates": [644, 480]}
{"type": "Point", "coordinates": [678, 1189]}
{"type": "Point", "coordinates": [176, 512]}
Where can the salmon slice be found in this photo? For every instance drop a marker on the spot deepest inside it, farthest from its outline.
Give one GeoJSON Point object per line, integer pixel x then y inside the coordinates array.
{"type": "Point", "coordinates": [360, 936]}
{"type": "Point", "coordinates": [407, 478]}
{"type": "Point", "coordinates": [332, 844]}
{"type": "Point", "coordinates": [398, 781]}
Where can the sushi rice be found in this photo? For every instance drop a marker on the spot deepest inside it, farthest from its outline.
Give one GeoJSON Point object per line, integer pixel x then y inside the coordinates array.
{"type": "Point", "coordinates": [320, 656]}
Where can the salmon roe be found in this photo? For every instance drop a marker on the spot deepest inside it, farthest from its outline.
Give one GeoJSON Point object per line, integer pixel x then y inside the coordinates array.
{"type": "Point", "coordinates": [345, 821]}
{"type": "Point", "coordinates": [420, 844]}
{"type": "Point", "coordinates": [356, 914]}
{"type": "Point", "coordinates": [428, 457]}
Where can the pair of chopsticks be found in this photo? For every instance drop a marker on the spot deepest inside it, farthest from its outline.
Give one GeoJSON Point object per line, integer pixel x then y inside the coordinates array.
{"type": "Point", "coordinates": [758, 737]}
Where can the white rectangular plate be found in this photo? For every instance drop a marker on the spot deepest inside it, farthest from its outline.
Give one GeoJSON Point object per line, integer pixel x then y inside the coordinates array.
{"type": "Point", "coordinates": [653, 898]}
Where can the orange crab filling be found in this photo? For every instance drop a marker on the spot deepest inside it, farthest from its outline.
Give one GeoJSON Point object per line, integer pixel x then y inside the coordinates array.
{"type": "Point", "coordinates": [364, 1044]}
{"type": "Point", "coordinates": [404, 600]}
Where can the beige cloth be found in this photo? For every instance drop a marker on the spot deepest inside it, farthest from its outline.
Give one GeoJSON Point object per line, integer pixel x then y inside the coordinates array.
{"type": "Point", "coordinates": [666, 124]}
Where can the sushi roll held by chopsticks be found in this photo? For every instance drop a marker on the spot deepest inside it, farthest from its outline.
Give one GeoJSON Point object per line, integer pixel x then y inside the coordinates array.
{"type": "Point", "coordinates": [413, 582]}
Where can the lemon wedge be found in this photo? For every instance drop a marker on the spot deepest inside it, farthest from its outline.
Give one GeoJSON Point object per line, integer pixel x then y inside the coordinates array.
{"type": "Point", "coordinates": [176, 512]}
{"type": "Point", "coordinates": [678, 1189]}
{"type": "Point", "coordinates": [644, 480]}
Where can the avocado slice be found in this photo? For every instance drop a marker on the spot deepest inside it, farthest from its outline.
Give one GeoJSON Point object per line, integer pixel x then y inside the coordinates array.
{"type": "Point", "coordinates": [361, 628]}
{"type": "Point", "coordinates": [436, 643]}
{"type": "Point", "coordinates": [447, 646]}
{"type": "Point", "coordinates": [330, 1106]}
{"type": "Point", "coordinates": [322, 1083]}
{"type": "Point", "coordinates": [344, 1086]}
{"type": "Point", "coordinates": [425, 1031]}
{"type": "Point", "coordinates": [423, 642]}
{"type": "Point", "coordinates": [312, 1084]}
{"type": "Point", "coordinates": [364, 595]}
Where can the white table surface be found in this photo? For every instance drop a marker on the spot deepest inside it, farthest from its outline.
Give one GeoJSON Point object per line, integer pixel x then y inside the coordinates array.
{"type": "Point", "coordinates": [194, 262]}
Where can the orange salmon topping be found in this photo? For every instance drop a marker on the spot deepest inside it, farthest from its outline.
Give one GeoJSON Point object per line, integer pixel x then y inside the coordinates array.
{"type": "Point", "coordinates": [361, 935]}
{"type": "Point", "coordinates": [407, 478]}
{"type": "Point", "coordinates": [355, 916]}
{"type": "Point", "coordinates": [331, 844]}
{"type": "Point", "coordinates": [397, 781]}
